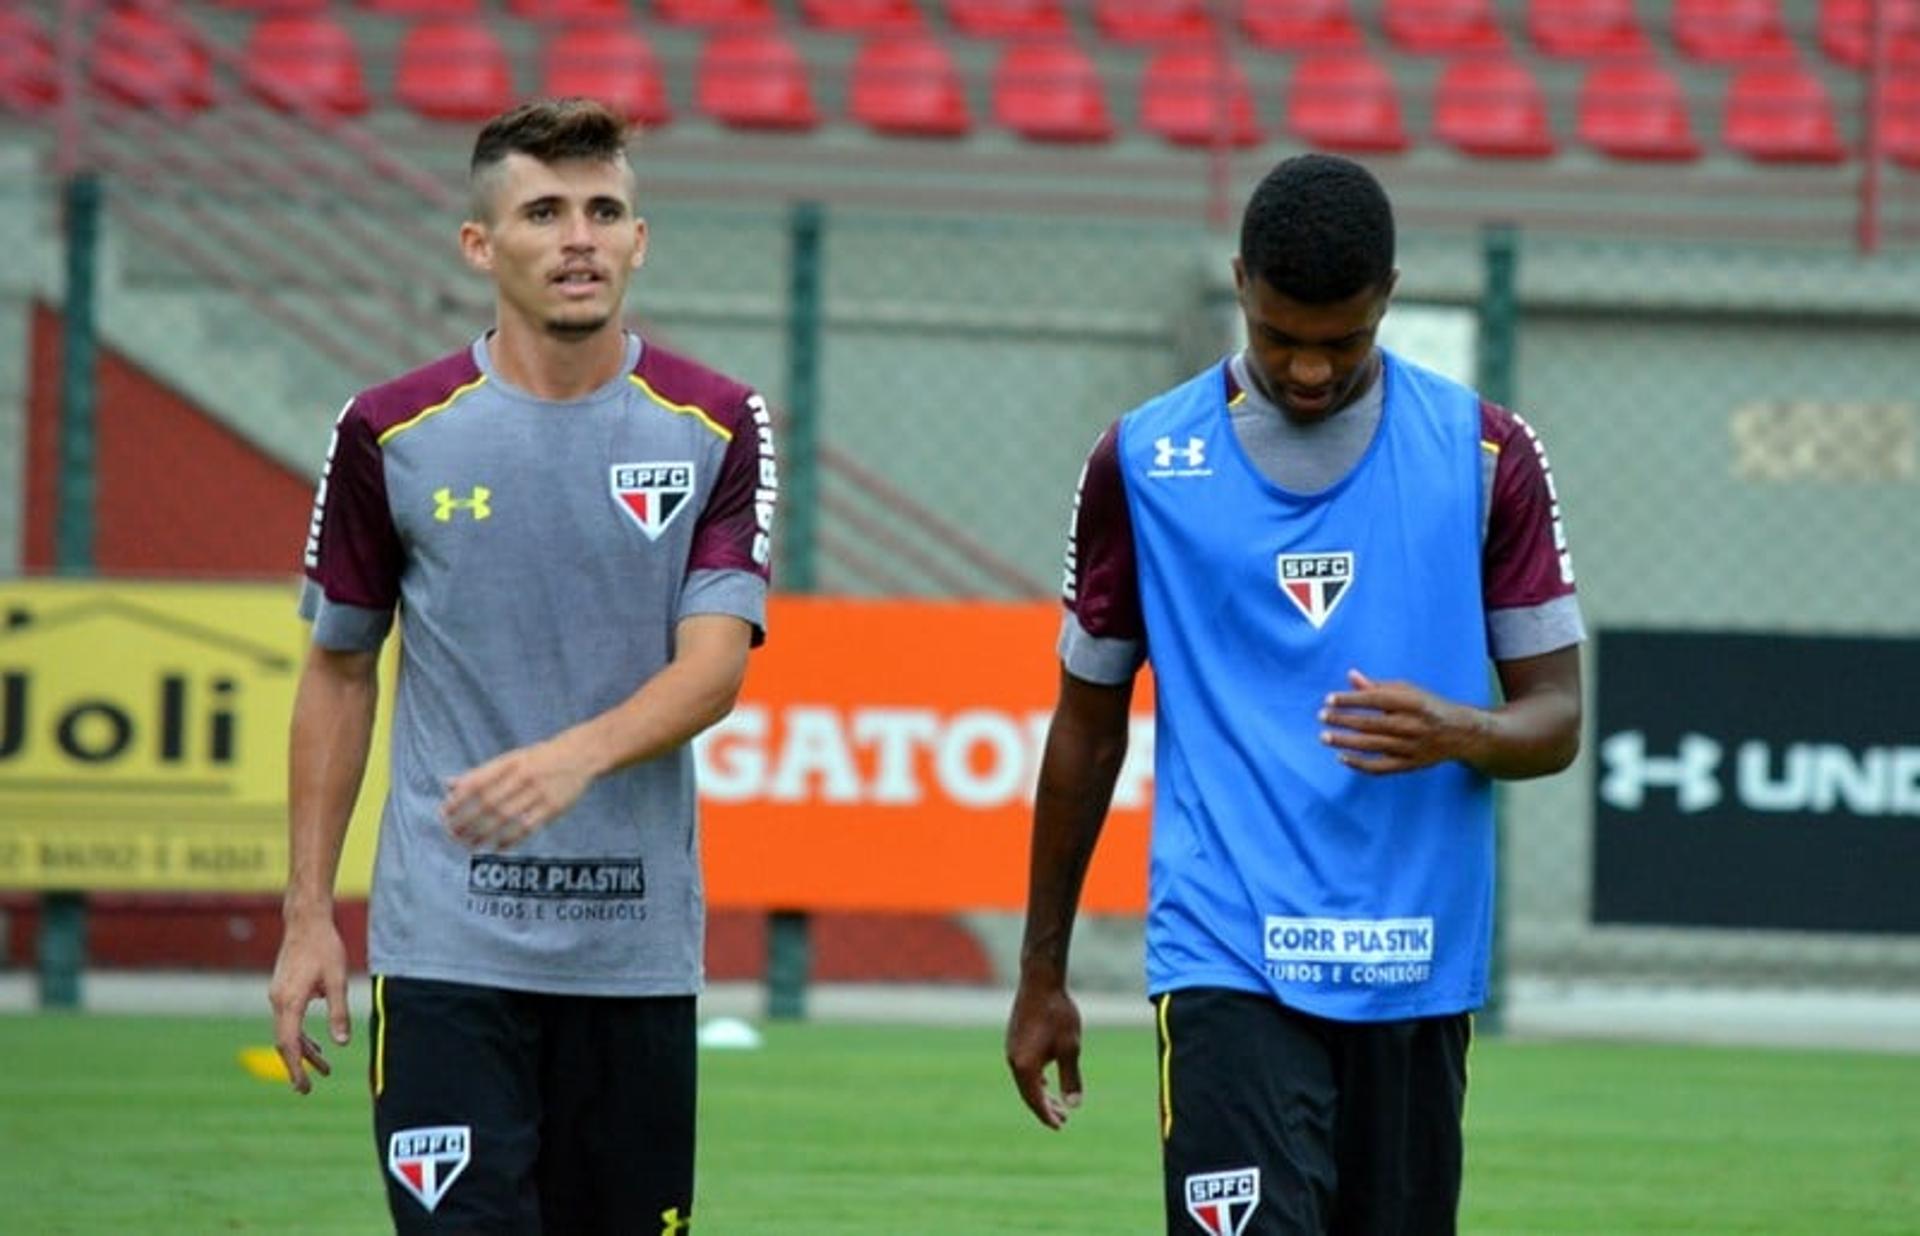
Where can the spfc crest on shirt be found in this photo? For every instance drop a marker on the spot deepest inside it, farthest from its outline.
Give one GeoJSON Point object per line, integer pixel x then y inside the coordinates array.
{"type": "Point", "coordinates": [1316, 582]}
{"type": "Point", "coordinates": [1223, 1202]}
{"type": "Point", "coordinates": [652, 493]}
{"type": "Point", "coordinates": [426, 1161]}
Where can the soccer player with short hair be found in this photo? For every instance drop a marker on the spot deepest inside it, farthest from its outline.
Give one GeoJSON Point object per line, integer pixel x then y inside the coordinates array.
{"type": "Point", "coordinates": [574, 526]}
{"type": "Point", "coordinates": [1320, 546]}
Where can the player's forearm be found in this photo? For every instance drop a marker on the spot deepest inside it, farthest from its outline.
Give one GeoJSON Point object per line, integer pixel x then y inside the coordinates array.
{"type": "Point", "coordinates": [696, 689]}
{"type": "Point", "coordinates": [1077, 776]}
{"type": "Point", "coordinates": [332, 733]}
{"type": "Point", "coordinates": [1530, 737]}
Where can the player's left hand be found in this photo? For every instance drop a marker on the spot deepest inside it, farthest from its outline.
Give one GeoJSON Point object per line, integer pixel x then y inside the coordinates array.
{"type": "Point", "coordinates": [1392, 727]}
{"type": "Point", "coordinates": [509, 798]}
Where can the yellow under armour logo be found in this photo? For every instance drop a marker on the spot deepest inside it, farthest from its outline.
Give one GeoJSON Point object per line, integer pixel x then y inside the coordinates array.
{"type": "Point", "coordinates": [475, 503]}
{"type": "Point", "coordinates": [672, 1222]}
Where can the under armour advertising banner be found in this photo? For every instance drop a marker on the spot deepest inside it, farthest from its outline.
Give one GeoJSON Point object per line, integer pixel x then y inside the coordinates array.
{"type": "Point", "coordinates": [1757, 781]}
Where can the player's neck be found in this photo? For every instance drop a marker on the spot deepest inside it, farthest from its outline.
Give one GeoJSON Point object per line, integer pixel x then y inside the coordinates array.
{"type": "Point", "coordinates": [547, 367]}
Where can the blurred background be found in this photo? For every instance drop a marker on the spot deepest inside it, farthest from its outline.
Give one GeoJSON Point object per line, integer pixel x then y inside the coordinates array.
{"type": "Point", "coordinates": [951, 240]}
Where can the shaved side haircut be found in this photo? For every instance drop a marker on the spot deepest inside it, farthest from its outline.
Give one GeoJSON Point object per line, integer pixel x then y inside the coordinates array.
{"type": "Point", "coordinates": [550, 130]}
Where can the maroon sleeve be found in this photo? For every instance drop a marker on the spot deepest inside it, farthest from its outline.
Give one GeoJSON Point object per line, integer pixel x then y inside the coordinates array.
{"type": "Point", "coordinates": [735, 531]}
{"type": "Point", "coordinates": [1101, 586]}
{"type": "Point", "coordinates": [1525, 561]}
{"type": "Point", "coordinates": [353, 550]}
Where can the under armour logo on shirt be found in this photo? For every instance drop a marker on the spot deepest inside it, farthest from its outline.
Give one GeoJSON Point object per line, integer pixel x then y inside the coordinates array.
{"type": "Point", "coordinates": [475, 503]}
{"type": "Point", "coordinates": [1193, 454]}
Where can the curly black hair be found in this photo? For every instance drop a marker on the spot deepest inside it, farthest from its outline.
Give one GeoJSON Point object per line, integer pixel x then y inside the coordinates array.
{"type": "Point", "coordinates": [1318, 229]}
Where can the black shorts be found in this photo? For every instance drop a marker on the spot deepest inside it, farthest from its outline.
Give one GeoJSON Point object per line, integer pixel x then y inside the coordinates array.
{"type": "Point", "coordinates": [1276, 1123]}
{"type": "Point", "coordinates": [515, 1112]}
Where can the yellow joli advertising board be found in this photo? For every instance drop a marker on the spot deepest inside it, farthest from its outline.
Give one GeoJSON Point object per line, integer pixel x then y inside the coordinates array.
{"type": "Point", "coordinates": [143, 737]}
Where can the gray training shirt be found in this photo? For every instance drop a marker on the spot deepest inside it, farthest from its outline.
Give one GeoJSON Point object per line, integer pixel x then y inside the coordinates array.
{"type": "Point", "coordinates": [540, 555]}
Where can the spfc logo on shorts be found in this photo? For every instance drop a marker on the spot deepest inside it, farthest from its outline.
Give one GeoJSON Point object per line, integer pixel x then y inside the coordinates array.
{"type": "Point", "coordinates": [427, 1161]}
{"type": "Point", "coordinates": [1316, 582]}
{"type": "Point", "coordinates": [1222, 1202]}
{"type": "Point", "coordinates": [652, 493]}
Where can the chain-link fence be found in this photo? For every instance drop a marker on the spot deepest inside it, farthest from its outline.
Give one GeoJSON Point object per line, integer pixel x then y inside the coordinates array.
{"type": "Point", "coordinates": [1732, 425]}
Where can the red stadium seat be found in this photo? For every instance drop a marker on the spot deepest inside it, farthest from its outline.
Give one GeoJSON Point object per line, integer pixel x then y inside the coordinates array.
{"type": "Point", "coordinates": [1583, 29]}
{"type": "Point", "coordinates": [570, 11]}
{"type": "Point", "coordinates": [908, 86]}
{"type": "Point", "coordinates": [614, 64]}
{"type": "Point", "coordinates": [276, 6]}
{"type": "Point", "coordinates": [1636, 111]}
{"type": "Point", "coordinates": [29, 70]}
{"type": "Point", "coordinates": [1900, 121]}
{"type": "Point", "coordinates": [1780, 114]}
{"type": "Point", "coordinates": [715, 14]}
{"type": "Point", "coordinates": [754, 79]}
{"type": "Point", "coordinates": [1191, 98]}
{"type": "Point", "coordinates": [1846, 31]}
{"type": "Point", "coordinates": [1730, 31]}
{"type": "Point", "coordinates": [1493, 108]}
{"type": "Point", "coordinates": [1050, 92]}
{"type": "Point", "coordinates": [422, 8]}
{"type": "Point", "coordinates": [1157, 22]}
{"type": "Point", "coordinates": [1345, 102]}
{"type": "Point", "coordinates": [862, 16]}
{"type": "Point", "coordinates": [1444, 27]}
{"type": "Point", "coordinates": [1001, 19]}
{"type": "Point", "coordinates": [1300, 25]}
{"type": "Point", "coordinates": [449, 69]}
{"type": "Point", "coordinates": [144, 58]}
{"type": "Point", "coordinates": [305, 62]}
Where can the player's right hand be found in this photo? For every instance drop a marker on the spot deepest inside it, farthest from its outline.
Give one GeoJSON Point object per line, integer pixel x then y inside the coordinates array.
{"type": "Point", "coordinates": [312, 964]}
{"type": "Point", "coordinates": [1044, 1029]}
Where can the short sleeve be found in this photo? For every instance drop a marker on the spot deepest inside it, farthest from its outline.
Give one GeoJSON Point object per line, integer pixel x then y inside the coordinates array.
{"type": "Point", "coordinates": [353, 555]}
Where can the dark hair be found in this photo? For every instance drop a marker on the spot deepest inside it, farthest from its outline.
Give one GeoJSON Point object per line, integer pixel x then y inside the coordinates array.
{"type": "Point", "coordinates": [1319, 229]}
{"type": "Point", "coordinates": [548, 130]}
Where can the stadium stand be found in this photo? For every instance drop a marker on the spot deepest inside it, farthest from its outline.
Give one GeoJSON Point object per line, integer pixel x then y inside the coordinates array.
{"type": "Point", "coordinates": [613, 63]}
{"type": "Point", "coordinates": [1002, 19]}
{"type": "Point", "coordinates": [277, 6]}
{"type": "Point", "coordinates": [1845, 31]}
{"type": "Point", "coordinates": [1193, 96]}
{"type": "Point", "coordinates": [862, 16]}
{"type": "Point", "coordinates": [1492, 107]}
{"type": "Point", "coordinates": [1730, 31]}
{"type": "Point", "coordinates": [570, 11]}
{"type": "Point", "coordinates": [1899, 119]}
{"type": "Point", "coordinates": [423, 8]}
{"type": "Point", "coordinates": [755, 79]}
{"type": "Point", "coordinates": [1300, 25]}
{"type": "Point", "coordinates": [1583, 29]}
{"type": "Point", "coordinates": [144, 58]}
{"type": "Point", "coordinates": [1153, 22]}
{"type": "Point", "coordinates": [1050, 92]}
{"type": "Point", "coordinates": [1572, 87]}
{"type": "Point", "coordinates": [1347, 103]}
{"type": "Point", "coordinates": [710, 14]}
{"type": "Point", "coordinates": [908, 85]}
{"type": "Point", "coordinates": [453, 69]}
{"type": "Point", "coordinates": [306, 59]}
{"type": "Point", "coordinates": [1443, 27]}
{"type": "Point", "coordinates": [1636, 111]}
{"type": "Point", "coordinates": [1781, 114]}
{"type": "Point", "coordinates": [29, 83]}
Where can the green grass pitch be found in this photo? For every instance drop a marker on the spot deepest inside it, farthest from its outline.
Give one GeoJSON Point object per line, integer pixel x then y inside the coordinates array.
{"type": "Point", "coordinates": [149, 1125]}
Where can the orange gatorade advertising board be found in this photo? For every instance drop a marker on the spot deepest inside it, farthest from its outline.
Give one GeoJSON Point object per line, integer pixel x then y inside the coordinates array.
{"type": "Point", "coordinates": [883, 756]}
